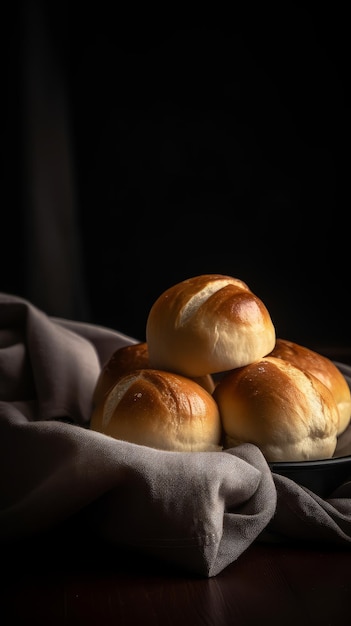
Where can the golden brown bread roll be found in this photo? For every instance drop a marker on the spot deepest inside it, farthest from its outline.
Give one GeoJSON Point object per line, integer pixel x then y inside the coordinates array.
{"type": "Point", "coordinates": [161, 410]}
{"type": "Point", "coordinates": [286, 411]}
{"type": "Point", "coordinates": [207, 324]}
{"type": "Point", "coordinates": [123, 361]}
{"type": "Point", "coordinates": [324, 369]}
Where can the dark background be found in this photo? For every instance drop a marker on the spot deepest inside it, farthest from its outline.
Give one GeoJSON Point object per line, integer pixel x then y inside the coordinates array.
{"type": "Point", "coordinates": [142, 149]}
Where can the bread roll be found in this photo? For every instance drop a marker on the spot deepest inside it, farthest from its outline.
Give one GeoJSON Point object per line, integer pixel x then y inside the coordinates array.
{"type": "Point", "coordinates": [123, 361]}
{"type": "Point", "coordinates": [161, 410]}
{"type": "Point", "coordinates": [287, 412]}
{"type": "Point", "coordinates": [208, 324]}
{"type": "Point", "coordinates": [324, 369]}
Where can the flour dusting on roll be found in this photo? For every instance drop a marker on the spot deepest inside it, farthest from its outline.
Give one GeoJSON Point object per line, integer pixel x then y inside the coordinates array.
{"type": "Point", "coordinates": [287, 412]}
{"type": "Point", "coordinates": [208, 324]}
{"type": "Point", "coordinates": [161, 410]}
{"type": "Point", "coordinates": [324, 369]}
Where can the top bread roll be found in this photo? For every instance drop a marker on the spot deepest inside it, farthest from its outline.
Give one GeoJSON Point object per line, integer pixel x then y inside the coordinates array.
{"type": "Point", "coordinates": [324, 369]}
{"type": "Point", "coordinates": [208, 324]}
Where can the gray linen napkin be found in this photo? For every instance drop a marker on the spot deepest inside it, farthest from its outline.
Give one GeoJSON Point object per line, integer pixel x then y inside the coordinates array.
{"type": "Point", "coordinates": [199, 511]}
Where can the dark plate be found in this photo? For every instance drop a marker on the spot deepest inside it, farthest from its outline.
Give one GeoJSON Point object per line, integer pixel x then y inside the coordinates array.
{"type": "Point", "coordinates": [322, 476]}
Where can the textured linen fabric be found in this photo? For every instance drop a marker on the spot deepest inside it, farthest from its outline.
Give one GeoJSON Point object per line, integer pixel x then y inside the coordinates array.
{"type": "Point", "coordinates": [199, 511]}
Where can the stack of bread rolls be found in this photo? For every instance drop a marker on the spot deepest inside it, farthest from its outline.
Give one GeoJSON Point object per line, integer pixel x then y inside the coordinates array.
{"type": "Point", "coordinates": [212, 374]}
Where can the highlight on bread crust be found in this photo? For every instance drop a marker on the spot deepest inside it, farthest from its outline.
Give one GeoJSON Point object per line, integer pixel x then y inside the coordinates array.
{"type": "Point", "coordinates": [125, 360]}
{"type": "Point", "coordinates": [208, 324]}
{"type": "Point", "coordinates": [161, 410]}
{"type": "Point", "coordinates": [324, 369]}
{"type": "Point", "coordinates": [286, 411]}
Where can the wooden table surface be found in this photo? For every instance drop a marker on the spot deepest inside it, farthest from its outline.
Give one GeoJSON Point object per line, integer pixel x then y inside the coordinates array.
{"type": "Point", "coordinates": [54, 582]}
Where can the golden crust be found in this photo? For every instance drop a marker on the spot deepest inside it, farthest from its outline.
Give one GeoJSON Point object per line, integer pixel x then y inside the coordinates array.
{"type": "Point", "coordinates": [161, 410]}
{"type": "Point", "coordinates": [324, 369]}
{"type": "Point", "coordinates": [123, 361]}
{"type": "Point", "coordinates": [208, 324]}
{"type": "Point", "coordinates": [287, 412]}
